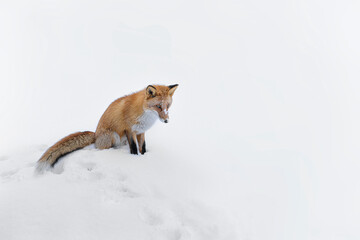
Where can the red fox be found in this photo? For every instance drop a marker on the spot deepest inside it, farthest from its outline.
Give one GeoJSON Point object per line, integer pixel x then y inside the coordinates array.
{"type": "Point", "coordinates": [126, 118]}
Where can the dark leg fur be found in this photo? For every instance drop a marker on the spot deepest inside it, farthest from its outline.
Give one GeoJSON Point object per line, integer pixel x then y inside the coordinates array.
{"type": "Point", "coordinates": [133, 147]}
{"type": "Point", "coordinates": [132, 143]}
{"type": "Point", "coordinates": [143, 149]}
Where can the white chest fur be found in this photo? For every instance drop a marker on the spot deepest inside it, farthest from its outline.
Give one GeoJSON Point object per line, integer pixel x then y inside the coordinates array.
{"type": "Point", "coordinates": [145, 121]}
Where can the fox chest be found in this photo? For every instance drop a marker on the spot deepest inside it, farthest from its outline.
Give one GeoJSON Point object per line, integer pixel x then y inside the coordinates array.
{"type": "Point", "coordinates": [145, 121]}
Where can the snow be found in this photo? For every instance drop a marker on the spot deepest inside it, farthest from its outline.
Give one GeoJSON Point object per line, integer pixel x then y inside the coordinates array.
{"type": "Point", "coordinates": [93, 194]}
{"type": "Point", "coordinates": [262, 141]}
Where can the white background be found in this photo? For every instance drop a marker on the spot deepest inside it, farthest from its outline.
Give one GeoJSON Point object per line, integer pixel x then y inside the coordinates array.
{"type": "Point", "coordinates": [267, 100]}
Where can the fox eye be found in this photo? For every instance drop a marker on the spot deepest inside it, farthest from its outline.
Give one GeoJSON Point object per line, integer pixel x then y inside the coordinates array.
{"type": "Point", "coordinates": [158, 106]}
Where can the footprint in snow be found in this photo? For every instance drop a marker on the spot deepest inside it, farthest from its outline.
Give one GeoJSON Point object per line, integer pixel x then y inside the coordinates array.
{"type": "Point", "coordinates": [164, 223]}
{"type": "Point", "coordinates": [151, 217]}
{"type": "Point", "coordinates": [117, 191]}
{"type": "Point", "coordinates": [122, 177]}
{"type": "Point", "coordinates": [88, 165]}
{"type": "Point", "coordinates": [174, 234]}
{"type": "Point", "coordinates": [8, 174]}
{"type": "Point", "coordinates": [127, 192]}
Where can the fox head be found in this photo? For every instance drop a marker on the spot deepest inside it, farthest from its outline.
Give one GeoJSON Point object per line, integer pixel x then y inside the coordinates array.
{"type": "Point", "coordinates": [159, 98]}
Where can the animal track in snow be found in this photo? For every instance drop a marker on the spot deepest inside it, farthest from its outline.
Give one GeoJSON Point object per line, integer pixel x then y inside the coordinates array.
{"type": "Point", "coordinates": [127, 192]}
{"type": "Point", "coordinates": [174, 234]}
{"type": "Point", "coordinates": [166, 223]}
{"type": "Point", "coordinates": [116, 189]}
{"type": "Point", "coordinates": [151, 217]}
{"type": "Point", "coordinates": [120, 192]}
{"type": "Point", "coordinates": [88, 165]}
{"type": "Point", "coordinates": [8, 175]}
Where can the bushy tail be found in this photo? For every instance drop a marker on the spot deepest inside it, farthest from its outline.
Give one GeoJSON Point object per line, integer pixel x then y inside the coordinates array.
{"type": "Point", "coordinates": [66, 145]}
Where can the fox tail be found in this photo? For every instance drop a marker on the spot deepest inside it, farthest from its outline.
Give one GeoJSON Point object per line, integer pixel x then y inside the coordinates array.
{"type": "Point", "coordinates": [66, 145]}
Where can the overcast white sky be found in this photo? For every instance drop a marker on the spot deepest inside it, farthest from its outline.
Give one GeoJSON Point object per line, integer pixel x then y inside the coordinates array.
{"type": "Point", "coordinates": [256, 78]}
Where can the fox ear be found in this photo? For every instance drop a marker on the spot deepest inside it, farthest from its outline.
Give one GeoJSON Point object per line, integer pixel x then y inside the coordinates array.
{"type": "Point", "coordinates": [172, 89]}
{"type": "Point", "coordinates": [150, 91]}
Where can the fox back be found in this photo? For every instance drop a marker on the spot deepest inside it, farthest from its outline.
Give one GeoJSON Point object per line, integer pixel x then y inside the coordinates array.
{"type": "Point", "coordinates": [125, 120]}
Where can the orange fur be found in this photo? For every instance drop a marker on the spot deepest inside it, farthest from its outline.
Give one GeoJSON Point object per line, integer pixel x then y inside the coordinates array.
{"type": "Point", "coordinates": [127, 116]}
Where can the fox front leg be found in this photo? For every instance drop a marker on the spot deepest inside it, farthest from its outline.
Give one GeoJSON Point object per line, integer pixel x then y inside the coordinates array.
{"type": "Point", "coordinates": [141, 142]}
{"type": "Point", "coordinates": [131, 137]}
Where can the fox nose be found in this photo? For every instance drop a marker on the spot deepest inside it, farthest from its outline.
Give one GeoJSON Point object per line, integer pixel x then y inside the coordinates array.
{"type": "Point", "coordinates": [166, 121]}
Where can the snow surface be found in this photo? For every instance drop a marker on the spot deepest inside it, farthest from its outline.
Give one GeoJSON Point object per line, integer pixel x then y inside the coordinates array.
{"type": "Point", "coordinates": [107, 194]}
{"type": "Point", "coordinates": [264, 128]}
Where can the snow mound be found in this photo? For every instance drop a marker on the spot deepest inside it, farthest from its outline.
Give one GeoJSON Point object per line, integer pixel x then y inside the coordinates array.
{"type": "Point", "coordinates": [108, 194]}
